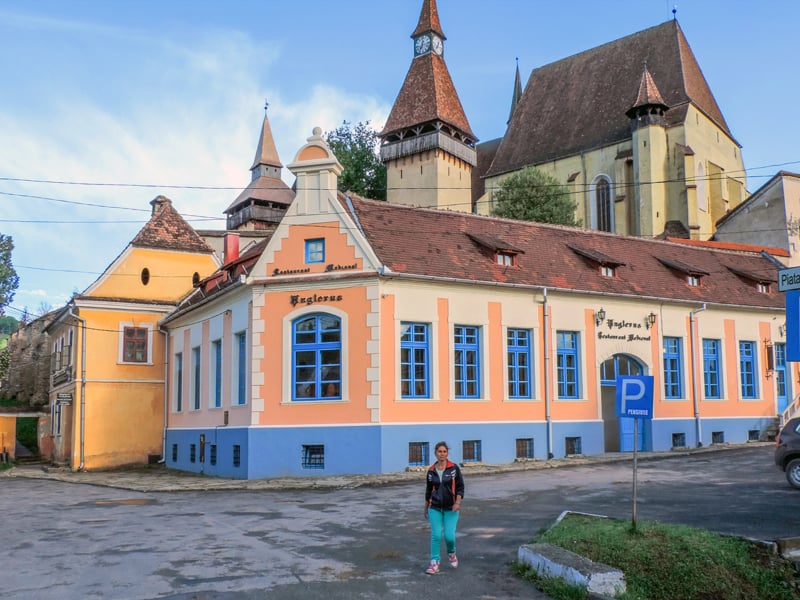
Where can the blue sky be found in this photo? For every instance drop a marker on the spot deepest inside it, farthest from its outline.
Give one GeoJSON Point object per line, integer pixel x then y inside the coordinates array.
{"type": "Point", "coordinates": [168, 96]}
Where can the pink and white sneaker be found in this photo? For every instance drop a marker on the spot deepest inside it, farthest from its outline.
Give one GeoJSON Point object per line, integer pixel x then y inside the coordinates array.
{"type": "Point", "coordinates": [453, 560]}
{"type": "Point", "coordinates": [433, 568]}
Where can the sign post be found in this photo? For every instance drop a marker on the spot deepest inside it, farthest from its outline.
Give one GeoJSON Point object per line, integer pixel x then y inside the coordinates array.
{"type": "Point", "coordinates": [635, 400]}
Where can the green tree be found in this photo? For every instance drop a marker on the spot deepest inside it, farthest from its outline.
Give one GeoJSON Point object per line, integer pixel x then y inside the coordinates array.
{"type": "Point", "coordinates": [355, 146]}
{"type": "Point", "coordinates": [533, 195]}
{"type": "Point", "coordinates": [8, 325]}
{"type": "Point", "coordinates": [9, 281]}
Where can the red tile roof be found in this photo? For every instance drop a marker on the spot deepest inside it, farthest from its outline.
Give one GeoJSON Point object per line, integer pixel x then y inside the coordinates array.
{"type": "Point", "coordinates": [738, 247]}
{"type": "Point", "coordinates": [429, 20]}
{"type": "Point", "coordinates": [427, 95]}
{"type": "Point", "coordinates": [435, 243]}
{"type": "Point", "coordinates": [167, 230]}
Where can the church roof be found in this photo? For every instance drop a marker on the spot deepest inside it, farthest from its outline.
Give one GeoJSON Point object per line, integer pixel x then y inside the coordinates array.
{"type": "Point", "coordinates": [579, 102]}
{"type": "Point", "coordinates": [264, 189]}
{"type": "Point", "coordinates": [429, 20]}
{"type": "Point", "coordinates": [427, 95]}
{"type": "Point", "coordinates": [266, 152]}
{"type": "Point", "coordinates": [168, 230]}
{"type": "Point", "coordinates": [442, 244]}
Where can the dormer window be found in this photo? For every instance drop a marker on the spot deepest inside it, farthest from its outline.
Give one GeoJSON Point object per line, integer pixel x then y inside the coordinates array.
{"type": "Point", "coordinates": [607, 264]}
{"type": "Point", "coordinates": [763, 288]}
{"type": "Point", "coordinates": [506, 259]}
{"type": "Point", "coordinates": [505, 254]}
{"type": "Point", "coordinates": [761, 281]}
{"type": "Point", "coordinates": [693, 274]}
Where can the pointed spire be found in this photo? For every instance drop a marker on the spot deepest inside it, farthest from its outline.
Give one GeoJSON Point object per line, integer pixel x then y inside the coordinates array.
{"type": "Point", "coordinates": [266, 153]}
{"type": "Point", "coordinates": [429, 20]}
{"type": "Point", "coordinates": [648, 98]}
{"type": "Point", "coordinates": [516, 95]}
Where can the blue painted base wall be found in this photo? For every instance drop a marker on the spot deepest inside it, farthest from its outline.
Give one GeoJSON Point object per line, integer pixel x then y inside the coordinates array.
{"type": "Point", "coordinates": [372, 449]}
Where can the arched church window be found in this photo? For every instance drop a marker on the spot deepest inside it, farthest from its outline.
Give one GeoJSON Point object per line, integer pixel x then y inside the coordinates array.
{"type": "Point", "coordinates": [603, 205]}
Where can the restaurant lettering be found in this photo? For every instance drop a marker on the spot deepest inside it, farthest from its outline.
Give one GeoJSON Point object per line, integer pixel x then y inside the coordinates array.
{"type": "Point", "coordinates": [290, 271]}
{"type": "Point", "coordinates": [296, 299]}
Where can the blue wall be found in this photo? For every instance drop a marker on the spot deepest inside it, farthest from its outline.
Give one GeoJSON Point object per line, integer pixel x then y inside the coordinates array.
{"type": "Point", "coordinates": [278, 452]}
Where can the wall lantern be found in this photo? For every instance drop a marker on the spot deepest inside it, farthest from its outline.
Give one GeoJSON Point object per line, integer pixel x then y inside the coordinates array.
{"type": "Point", "coordinates": [600, 316]}
{"type": "Point", "coordinates": [782, 330]}
{"type": "Point", "coordinates": [650, 320]}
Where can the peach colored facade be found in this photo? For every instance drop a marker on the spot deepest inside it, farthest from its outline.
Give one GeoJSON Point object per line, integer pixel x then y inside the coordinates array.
{"type": "Point", "coordinates": [372, 424]}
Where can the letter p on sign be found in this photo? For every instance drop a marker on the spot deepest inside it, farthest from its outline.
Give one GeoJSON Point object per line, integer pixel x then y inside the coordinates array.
{"type": "Point", "coordinates": [635, 396]}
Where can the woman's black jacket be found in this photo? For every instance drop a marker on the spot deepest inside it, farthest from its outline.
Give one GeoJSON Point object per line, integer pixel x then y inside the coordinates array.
{"type": "Point", "coordinates": [442, 494]}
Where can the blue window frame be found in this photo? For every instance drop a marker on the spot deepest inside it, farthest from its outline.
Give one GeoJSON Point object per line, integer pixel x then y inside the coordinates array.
{"type": "Point", "coordinates": [673, 368]}
{"type": "Point", "coordinates": [467, 346]}
{"type": "Point", "coordinates": [196, 378]}
{"type": "Point", "coordinates": [313, 456]}
{"type": "Point", "coordinates": [471, 451]}
{"type": "Point", "coordinates": [317, 358]}
{"type": "Point", "coordinates": [179, 382]}
{"type": "Point", "coordinates": [747, 369]}
{"type": "Point", "coordinates": [216, 356]}
{"type": "Point", "coordinates": [315, 251]}
{"type": "Point", "coordinates": [711, 369]}
{"type": "Point", "coordinates": [241, 368]}
{"type": "Point", "coordinates": [414, 360]}
{"type": "Point", "coordinates": [567, 364]}
{"type": "Point", "coordinates": [519, 363]}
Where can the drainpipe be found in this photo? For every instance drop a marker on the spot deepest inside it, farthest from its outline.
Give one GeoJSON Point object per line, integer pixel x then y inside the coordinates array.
{"type": "Point", "coordinates": [83, 384]}
{"type": "Point", "coordinates": [163, 459]}
{"type": "Point", "coordinates": [695, 400]}
{"type": "Point", "coordinates": [545, 336]}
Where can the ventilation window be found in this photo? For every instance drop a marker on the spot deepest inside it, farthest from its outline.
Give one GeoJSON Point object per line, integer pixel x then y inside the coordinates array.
{"type": "Point", "coordinates": [145, 276]}
{"type": "Point", "coordinates": [717, 437]}
{"type": "Point", "coordinates": [237, 455]}
{"type": "Point", "coordinates": [524, 448]}
{"type": "Point", "coordinates": [313, 456]}
{"type": "Point", "coordinates": [213, 454]}
{"type": "Point", "coordinates": [195, 279]}
{"type": "Point", "coordinates": [678, 440]}
{"type": "Point", "coordinates": [763, 288]}
{"type": "Point", "coordinates": [573, 446]}
{"type": "Point", "coordinates": [418, 454]}
{"type": "Point", "coordinates": [753, 435]}
{"type": "Point", "coordinates": [693, 280]}
{"type": "Point", "coordinates": [193, 453]}
{"type": "Point", "coordinates": [174, 452]}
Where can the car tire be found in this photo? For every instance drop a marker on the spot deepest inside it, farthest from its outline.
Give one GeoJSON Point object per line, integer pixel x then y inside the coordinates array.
{"type": "Point", "coordinates": [793, 472]}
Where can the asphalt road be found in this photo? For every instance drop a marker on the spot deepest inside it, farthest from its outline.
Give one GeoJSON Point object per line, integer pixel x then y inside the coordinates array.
{"type": "Point", "coordinates": [64, 541]}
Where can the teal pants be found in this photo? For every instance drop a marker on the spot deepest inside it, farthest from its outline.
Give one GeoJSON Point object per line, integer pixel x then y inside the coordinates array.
{"type": "Point", "coordinates": [442, 521]}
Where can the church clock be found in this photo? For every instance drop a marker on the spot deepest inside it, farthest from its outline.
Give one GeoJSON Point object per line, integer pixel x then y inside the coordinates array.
{"type": "Point", "coordinates": [436, 44]}
{"type": "Point", "coordinates": [422, 44]}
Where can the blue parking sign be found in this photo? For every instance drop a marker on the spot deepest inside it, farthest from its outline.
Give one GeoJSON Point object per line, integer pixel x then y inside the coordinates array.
{"type": "Point", "coordinates": [635, 396]}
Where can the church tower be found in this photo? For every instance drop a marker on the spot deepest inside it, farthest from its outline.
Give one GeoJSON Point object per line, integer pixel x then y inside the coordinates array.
{"type": "Point", "coordinates": [427, 144]}
{"type": "Point", "coordinates": [262, 204]}
{"type": "Point", "coordinates": [649, 142]}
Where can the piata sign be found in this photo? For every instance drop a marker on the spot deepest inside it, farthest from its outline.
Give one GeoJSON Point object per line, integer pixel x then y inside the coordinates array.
{"type": "Point", "coordinates": [789, 279]}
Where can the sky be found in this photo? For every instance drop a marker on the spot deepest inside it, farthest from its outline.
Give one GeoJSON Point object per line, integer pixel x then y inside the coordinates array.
{"type": "Point", "coordinates": [106, 105]}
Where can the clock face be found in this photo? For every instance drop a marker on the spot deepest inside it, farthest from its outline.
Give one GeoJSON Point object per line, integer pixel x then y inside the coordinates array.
{"type": "Point", "coordinates": [422, 44]}
{"type": "Point", "coordinates": [437, 44]}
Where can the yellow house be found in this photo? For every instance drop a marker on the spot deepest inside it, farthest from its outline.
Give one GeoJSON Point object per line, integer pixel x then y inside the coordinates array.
{"type": "Point", "coordinates": [107, 383]}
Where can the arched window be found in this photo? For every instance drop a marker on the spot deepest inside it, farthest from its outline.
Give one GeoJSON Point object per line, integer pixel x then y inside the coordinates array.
{"type": "Point", "coordinates": [317, 357]}
{"type": "Point", "coordinates": [603, 208]}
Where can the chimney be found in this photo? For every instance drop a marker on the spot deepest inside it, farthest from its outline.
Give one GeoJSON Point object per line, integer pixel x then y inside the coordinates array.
{"type": "Point", "coordinates": [159, 203]}
{"type": "Point", "coordinates": [231, 250]}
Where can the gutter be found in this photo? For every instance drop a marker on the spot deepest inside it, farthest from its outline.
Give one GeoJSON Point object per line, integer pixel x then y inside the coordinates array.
{"type": "Point", "coordinates": [546, 350]}
{"type": "Point", "coordinates": [695, 400]}
{"type": "Point", "coordinates": [165, 333]}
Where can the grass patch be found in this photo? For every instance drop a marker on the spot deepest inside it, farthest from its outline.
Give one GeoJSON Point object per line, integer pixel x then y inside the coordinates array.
{"type": "Point", "coordinates": [667, 562]}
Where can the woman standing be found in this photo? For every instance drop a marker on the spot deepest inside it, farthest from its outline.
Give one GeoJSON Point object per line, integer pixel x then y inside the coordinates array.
{"type": "Point", "coordinates": [443, 494]}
